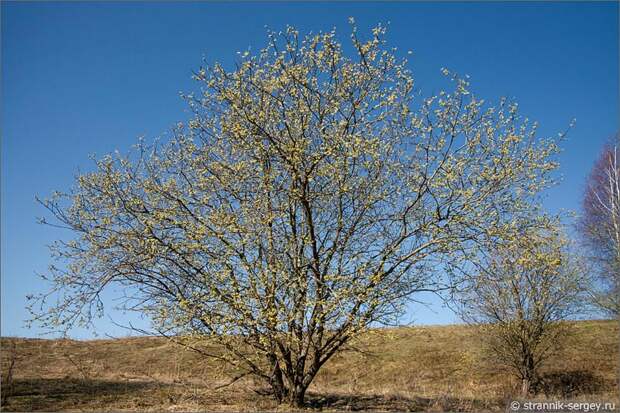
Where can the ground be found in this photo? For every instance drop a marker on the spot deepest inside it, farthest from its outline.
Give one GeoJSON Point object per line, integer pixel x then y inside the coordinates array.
{"type": "Point", "coordinates": [432, 368]}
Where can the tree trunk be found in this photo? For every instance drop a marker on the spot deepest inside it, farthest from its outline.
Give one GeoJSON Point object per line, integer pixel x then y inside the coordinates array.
{"type": "Point", "coordinates": [297, 396]}
{"type": "Point", "coordinates": [526, 386]}
{"type": "Point", "coordinates": [279, 391]}
{"type": "Point", "coordinates": [277, 383]}
{"type": "Point", "coordinates": [529, 378]}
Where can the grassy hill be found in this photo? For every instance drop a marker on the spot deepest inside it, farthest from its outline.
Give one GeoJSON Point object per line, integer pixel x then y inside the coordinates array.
{"type": "Point", "coordinates": [431, 368]}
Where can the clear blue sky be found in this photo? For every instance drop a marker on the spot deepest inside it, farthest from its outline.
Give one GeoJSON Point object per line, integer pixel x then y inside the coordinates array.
{"type": "Point", "coordinates": [82, 78]}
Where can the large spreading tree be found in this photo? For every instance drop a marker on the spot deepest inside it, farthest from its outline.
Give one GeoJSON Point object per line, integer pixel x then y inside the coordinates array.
{"type": "Point", "coordinates": [312, 194]}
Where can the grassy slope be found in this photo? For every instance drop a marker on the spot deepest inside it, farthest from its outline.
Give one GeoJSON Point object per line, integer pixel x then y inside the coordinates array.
{"type": "Point", "coordinates": [416, 368]}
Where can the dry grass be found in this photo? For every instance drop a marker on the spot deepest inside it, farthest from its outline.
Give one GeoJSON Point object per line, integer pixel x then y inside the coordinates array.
{"type": "Point", "coordinates": [406, 369]}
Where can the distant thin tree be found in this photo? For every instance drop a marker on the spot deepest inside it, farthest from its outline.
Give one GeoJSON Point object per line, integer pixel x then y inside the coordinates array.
{"type": "Point", "coordinates": [599, 226]}
{"type": "Point", "coordinates": [7, 384]}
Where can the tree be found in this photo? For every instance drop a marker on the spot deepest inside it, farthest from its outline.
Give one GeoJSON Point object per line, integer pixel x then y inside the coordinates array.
{"type": "Point", "coordinates": [524, 292]}
{"type": "Point", "coordinates": [308, 198]}
{"type": "Point", "coordinates": [599, 226]}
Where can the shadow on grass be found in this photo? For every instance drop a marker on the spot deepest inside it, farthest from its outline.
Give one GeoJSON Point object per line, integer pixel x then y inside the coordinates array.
{"type": "Point", "coordinates": [572, 383]}
{"type": "Point", "coordinates": [56, 394]}
{"type": "Point", "coordinates": [393, 403]}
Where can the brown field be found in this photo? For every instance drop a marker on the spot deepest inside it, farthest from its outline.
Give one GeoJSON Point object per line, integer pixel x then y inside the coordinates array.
{"type": "Point", "coordinates": [434, 368]}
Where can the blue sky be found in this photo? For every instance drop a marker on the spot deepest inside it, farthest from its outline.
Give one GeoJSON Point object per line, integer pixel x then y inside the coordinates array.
{"type": "Point", "coordinates": [84, 78]}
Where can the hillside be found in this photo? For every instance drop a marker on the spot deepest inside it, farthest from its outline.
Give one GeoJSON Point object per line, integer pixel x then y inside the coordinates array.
{"type": "Point", "coordinates": [409, 369]}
